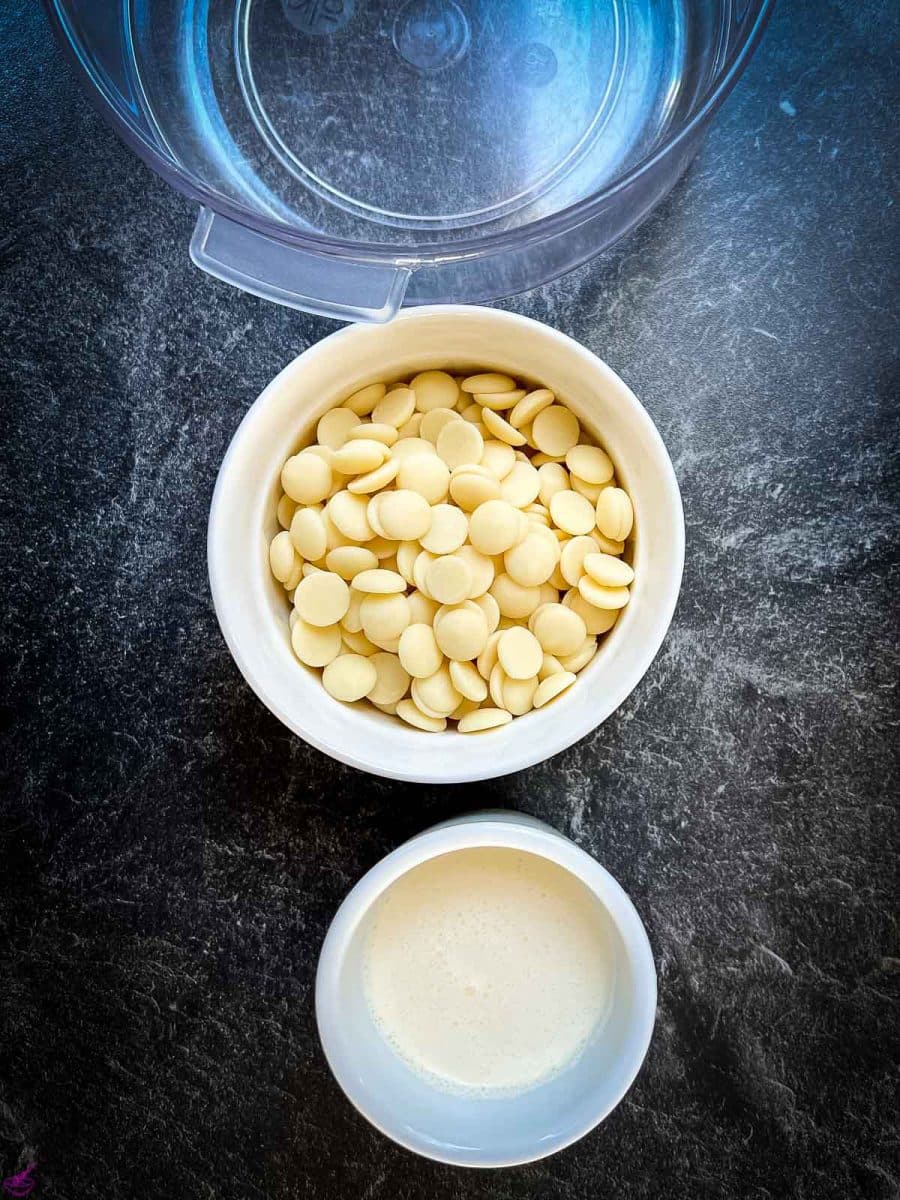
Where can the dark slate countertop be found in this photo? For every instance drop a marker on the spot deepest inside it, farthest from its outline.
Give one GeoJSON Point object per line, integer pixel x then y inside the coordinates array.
{"type": "Point", "coordinates": [170, 856]}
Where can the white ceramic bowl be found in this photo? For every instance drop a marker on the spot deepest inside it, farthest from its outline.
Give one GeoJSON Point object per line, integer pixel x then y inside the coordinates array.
{"type": "Point", "coordinates": [252, 607]}
{"type": "Point", "coordinates": [477, 1132]}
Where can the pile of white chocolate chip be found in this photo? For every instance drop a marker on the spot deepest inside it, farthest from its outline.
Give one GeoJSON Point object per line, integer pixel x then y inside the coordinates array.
{"type": "Point", "coordinates": [452, 548]}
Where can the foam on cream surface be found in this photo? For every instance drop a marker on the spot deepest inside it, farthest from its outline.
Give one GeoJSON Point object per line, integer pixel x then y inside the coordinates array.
{"type": "Point", "coordinates": [488, 969]}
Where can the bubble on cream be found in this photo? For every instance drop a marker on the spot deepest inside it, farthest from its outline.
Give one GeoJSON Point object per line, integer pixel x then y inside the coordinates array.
{"type": "Point", "coordinates": [488, 970]}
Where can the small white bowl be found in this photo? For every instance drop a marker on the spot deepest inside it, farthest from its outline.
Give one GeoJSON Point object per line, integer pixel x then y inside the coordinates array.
{"type": "Point", "coordinates": [464, 1130]}
{"type": "Point", "coordinates": [252, 608]}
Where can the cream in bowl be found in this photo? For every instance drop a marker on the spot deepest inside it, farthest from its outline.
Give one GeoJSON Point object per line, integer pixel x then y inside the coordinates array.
{"type": "Point", "coordinates": [251, 509]}
{"type": "Point", "coordinates": [486, 994]}
{"type": "Point", "coordinates": [488, 969]}
{"type": "Point", "coordinates": [452, 548]}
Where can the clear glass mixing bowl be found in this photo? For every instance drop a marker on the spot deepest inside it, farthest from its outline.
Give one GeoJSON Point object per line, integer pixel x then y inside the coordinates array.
{"type": "Point", "coordinates": [353, 156]}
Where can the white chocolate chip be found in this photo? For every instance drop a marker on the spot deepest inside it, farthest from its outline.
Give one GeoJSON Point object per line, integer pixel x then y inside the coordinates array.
{"type": "Point", "coordinates": [308, 534]}
{"type": "Point", "coordinates": [496, 684]}
{"type": "Point", "coordinates": [483, 719]}
{"type": "Point", "coordinates": [555, 430]}
{"type": "Point", "coordinates": [285, 511]}
{"type": "Point", "coordinates": [373, 481]}
{"type": "Point", "coordinates": [334, 426]}
{"type": "Point", "coordinates": [422, 608]}
{"type": "Point", "coordinates": [572, 512]}
{"type": "Point", "coordinates": [490, 608]}
{"type": "Point", "coordinates": [596, 620]}
{"type": "Point", "coordinates": [559, 629]}
{"type": "Point", "coordinates": [462, 633]}
{"type": "Point", "coordinates": [502, 430]}
{"type": "Point", "coordinates": [554, 478]}
{"type": "Point", "coordinates": [549, 666]}
{"type": "Point", "coordinates": [322, 598]}
{"type": "Point", "coordinates": [514, 599]}
{"type": "Point", "coordinates": [448, 579]}
{"type": "Point", "coordinates": [419, 652]}
{"type": "Point", "coordinates": [434, 389]}
{"type": "Point", "coordinates": [469, 488]}
{"type": "Point", "coordinates": [463, 709]}
{"type": "Point", "coordinates": [364, 401]}
{"type": "Point", "coordinates": [467, 681]}
{"type": "Point", "coordinates": [349, 515]}
{"type": "Point", "coordinates": [590, 463]}
{"type": "Point", "coordinates": [591, 491]}
{"type": "Point", "coordinates": [392, 680]}
{"type": "Point", "coordinates": [359, 456]}
{"type": "Point", "coordinates": [420, 568]}
{"type": "Point", "coordinates": [482, 568]}
{"type": "Point", "coordinates": [615, 515]}
{"type": "Point", "coordinates": [434, 421]}
{"type": "Point", "coordinates": [518, 695]}
{"type": "Point", "coordinates": [487, 659]}
{"type": "Point", "coordinates": [494, 527]}
{"type": "Point", "coordinates": [357, 643]}
{"type": "Point", "coordinates": [299, 570]}
{"type": "Point", "coordinates": [386, 434]}
{"type": "Point", "coordinates": [607, 570]}
{"type": "Point", "coordinates": [572, 558]}
{"type": "Point", "coordinates": [408, 446]}
{"type": "Point", "coordinates": [552, 687]}
{"type": "Point", "coordinates": [384, 617]}
{"type": "Point", "coordinates": [426, 475]}
{"type": "Point", "coordinates": [499, 458]}
{"type": "Point", "coordinates": [532, 561]}
{"type": "Point", "coordinates": [603, 597]}
{"type": "Point", "coordinates": [306, 478]}
{"type": "Point", "coordinates": [382, 547]}
{"type": "Point", "coordinates": [349, 677]}
{"type": "Point", "coordinates": [373, 503]}
{"type": "Point", "coordinates": [404, 515]}
{"type": "Point", "coordinates": [521, 486]}
{"type": "Point", "coordinates": [351, 620]}
{"type": "Point", "coordinates": [407, 711]}
{"type": "Point", "coordinates": [435, 694]}
{"type": "Point", "coordinates": [488, 381]}
{"type": "Point", "coordinates": [410, 428]}
{"type": "Point", "coordinates": [282, 556]}
{"type": "Point", "coordinates": [315, 645]}
{"type": "Point", "coordinates": [379, 582]}
{"type": "Point", "coordinates": [520, 653]}
{"type": "Point", "coordinates": [579, 660]}
{"type": "Point", "coordinates": [607, 545]}
{"type": "Point", "coordinates": [407, 553]}
{"type": "Point", "coordinates": [499, 401]}
{"type": "Point", "coordinates": [395, 408]}
{"type": "Point", "coordinates": [460, 443]}
{"type": "Point", "coordinates": [529, 407]}
{"type": "Point", "coordinates": [449, 530]}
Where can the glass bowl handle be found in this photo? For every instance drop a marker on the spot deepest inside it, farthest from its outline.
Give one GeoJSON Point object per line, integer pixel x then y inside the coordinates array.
{"type": "Point", "coordinates": [286, 274]}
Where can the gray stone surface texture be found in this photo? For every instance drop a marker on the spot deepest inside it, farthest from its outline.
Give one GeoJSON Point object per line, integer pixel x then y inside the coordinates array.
{"type": "Point", "coordinates": [170, 855]}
